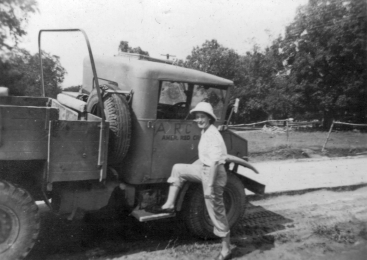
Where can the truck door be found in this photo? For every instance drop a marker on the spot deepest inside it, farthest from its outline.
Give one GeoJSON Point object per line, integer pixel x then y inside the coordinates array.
{"type": "Point", "coordinates": [175, 138]}
{"type": "Point", "coordinates": [174, 141]}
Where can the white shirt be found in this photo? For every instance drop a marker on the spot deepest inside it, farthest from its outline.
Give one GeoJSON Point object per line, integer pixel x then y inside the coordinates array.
{"type": "Point", "coordinates": [211, 147]}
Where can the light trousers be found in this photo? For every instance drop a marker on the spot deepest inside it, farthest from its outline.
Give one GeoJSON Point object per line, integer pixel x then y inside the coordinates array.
{"type": "Point", "coordinates": [200, 173]}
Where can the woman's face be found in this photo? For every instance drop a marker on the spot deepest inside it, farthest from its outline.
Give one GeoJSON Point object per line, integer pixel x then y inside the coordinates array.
{"type": "Point", "coordinates": [202, 120]}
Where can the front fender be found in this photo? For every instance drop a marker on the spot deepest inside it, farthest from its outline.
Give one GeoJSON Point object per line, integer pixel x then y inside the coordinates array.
{"type": "Point", "coordinates": [251, 185]}
{"type": "Point", "coordinates": [239, 161]}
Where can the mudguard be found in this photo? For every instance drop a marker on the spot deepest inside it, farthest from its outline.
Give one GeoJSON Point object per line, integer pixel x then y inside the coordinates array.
{"type": "Point", "coordinates": [239, 161]}
{"type": "Point", "coordinates": [249, 184]}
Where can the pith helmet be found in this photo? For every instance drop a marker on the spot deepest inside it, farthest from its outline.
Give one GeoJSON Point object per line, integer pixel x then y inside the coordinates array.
{"type": "Point", "coordinates": [206, 108]}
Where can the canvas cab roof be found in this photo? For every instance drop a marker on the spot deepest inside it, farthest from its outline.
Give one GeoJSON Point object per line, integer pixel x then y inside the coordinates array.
{"type": "Point", "coordinates": [143, 67]}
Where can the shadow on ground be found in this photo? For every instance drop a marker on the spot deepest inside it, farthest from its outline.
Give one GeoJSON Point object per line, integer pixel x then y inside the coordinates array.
{"type": "Point", "coordinates": [254, 231]}
{"type": "Point", "coordinates": [107, 235]}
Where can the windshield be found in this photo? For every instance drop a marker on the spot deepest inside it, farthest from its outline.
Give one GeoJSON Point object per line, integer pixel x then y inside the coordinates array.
{"type": "Point", "coordinates": [176, 99]}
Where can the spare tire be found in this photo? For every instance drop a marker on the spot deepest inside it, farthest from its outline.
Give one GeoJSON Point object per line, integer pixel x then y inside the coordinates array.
{"type": "Point", "coordinates": [117, 111]}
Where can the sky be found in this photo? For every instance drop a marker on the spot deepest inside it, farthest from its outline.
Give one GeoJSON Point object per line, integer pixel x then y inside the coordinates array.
{"type": "Point", "coordinates": [159, 27]}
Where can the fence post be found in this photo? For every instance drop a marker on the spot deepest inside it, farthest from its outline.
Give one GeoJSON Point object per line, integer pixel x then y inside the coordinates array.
{"type": "Point", "coordinates": [287, 129]}
{"type": "Point", "coordinates": [328, 135]}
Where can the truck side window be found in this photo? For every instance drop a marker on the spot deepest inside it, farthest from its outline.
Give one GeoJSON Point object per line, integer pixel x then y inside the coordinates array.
{"type": "Point", "coordinates": [172, 100]}
{"type": "Point", "coordinates": [215, 96]}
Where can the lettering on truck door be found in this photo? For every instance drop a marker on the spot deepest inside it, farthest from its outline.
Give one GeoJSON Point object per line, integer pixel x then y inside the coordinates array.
{"type": "Point", "coordinates": [174, 141]}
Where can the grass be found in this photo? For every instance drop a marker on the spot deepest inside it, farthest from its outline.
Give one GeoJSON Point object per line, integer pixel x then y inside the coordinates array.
{"type": "Point", "coordinates": [274, 145]}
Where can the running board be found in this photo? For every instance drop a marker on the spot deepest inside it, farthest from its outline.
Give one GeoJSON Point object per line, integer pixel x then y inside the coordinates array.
{"type": "Point", "coordinates": [144, 216]}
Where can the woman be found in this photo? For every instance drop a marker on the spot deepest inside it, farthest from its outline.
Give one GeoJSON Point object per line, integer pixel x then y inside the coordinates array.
{"type": "Point", "coordinates": [209, 171]}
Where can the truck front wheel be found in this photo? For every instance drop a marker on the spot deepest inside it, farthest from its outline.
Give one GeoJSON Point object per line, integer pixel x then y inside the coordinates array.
{"type": "Point", "coordinates": [196, 217]}
{"type": "Point", "coordinates": [19, 222]}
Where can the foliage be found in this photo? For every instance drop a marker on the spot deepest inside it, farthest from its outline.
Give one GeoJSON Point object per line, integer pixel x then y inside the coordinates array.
{"type": "Point", "coordinates": [19, 70]}
{"type": "Point", "coordinates": [253, 74]}
{"type": "Point", "coordinates": [326, 51]}
{"type": "Point", "coordinates": [13, 17]}
{"type": "Point", "coordinates": [264, 95]}
{"type": "Point", "coordinates": [21, 74]}
{"type": "Point", "coordinates": [124, 47]}
{"type": "Point", "coordinates": [215, 59]}
{"type": "Point", "coordinates": [317, 71]}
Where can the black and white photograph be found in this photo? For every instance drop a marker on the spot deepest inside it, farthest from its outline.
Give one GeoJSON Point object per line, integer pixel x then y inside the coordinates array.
{"type": "Point", "coordinates": [183, 129]}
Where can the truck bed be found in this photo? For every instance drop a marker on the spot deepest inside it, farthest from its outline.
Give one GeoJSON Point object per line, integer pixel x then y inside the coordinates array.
{"type": "Point", "coordinates": [73, 145]}
{"type": "Point", "coordinates": [24, 127]}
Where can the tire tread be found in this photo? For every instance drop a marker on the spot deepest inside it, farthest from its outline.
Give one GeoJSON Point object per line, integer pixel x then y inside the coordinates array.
{"type": "Point", "coordinates": [118, 113]}
{"type": "Point", "coordinates": [32, 227]}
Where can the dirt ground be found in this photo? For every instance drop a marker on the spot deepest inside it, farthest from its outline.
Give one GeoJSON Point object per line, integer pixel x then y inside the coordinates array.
{"type": "Point", "coordinates": [316, 225]}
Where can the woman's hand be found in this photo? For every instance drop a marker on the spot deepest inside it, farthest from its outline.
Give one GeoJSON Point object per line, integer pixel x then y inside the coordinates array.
{"type": "Point", "coordinates": [208, 193]}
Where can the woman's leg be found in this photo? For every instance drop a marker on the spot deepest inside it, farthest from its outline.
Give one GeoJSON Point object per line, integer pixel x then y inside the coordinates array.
{"type": "Point", "coordinates": [216, 208]}
{"type": "Point", "coordinates": [226, 245]}
{"type": "Point", "coordinates": [180, 173]}
{"type": "Point", "coordinates": [172, 195]}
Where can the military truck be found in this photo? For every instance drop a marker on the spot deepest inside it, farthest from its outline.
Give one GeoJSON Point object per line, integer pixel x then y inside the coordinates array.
{"type": "Point", "coordinates": [124, 131]}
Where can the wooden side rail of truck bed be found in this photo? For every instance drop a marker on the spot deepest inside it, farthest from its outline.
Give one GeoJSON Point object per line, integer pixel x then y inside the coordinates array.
{"type": "Point", "coordinates": [33, 128]}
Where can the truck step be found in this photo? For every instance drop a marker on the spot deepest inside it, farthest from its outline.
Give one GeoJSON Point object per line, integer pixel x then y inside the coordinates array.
{"type": "Point", "coordinates": [144, 216]}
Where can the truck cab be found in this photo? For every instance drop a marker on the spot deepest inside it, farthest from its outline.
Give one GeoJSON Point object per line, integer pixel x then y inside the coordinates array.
{"type": "Point", "coordinates": [161, 96]}
{"type": "Point", "coordinates": [158, 132]}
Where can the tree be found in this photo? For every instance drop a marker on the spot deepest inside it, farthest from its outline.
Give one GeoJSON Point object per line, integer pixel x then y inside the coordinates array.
{"type": "Point", "coordinates": [21, 74]}
{"type": "Point", "coordinates": [221, 61]}
{"type": "Point", "coordinates": [19, 70]}
{"type": "Point", "coordinates": [124, 47]}
{"type": "Point", "coordinates": [326, 50]}
{"type": "Point", "coordinates": [13, 17]}
{"type": "Point", "coordinates": [264, 93]}
{"type": "Point", "coordinates": [215, 59]}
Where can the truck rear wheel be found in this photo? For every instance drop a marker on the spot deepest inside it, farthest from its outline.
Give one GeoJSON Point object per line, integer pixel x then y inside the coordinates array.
{"type": "Point", "coordinates": [19, 222]}
{"type": "Point", "coordinates": [117, 113]}
{"type": "Point", "coordinates": [196, 216]}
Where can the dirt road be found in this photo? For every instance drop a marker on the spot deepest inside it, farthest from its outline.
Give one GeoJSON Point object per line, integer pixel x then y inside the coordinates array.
{"type": "Point", "coordinates": [316, 225]}
{"type": "Point", "coordinates": [322, 224]}
{"type": "Point", "coordinates": [311, 173]}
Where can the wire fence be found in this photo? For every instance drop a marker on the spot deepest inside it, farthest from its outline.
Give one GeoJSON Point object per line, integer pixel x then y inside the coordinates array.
{"type": "Point", "coordinates": [284, 122]}
{"type": "Point", "coordinates": [288, 125]}
{"type": "Point", "coordinates": [339, 123]}
{"type": "Point", "coordinates": [281, 125]}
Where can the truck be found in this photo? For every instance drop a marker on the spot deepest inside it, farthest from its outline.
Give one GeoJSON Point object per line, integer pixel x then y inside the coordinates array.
{"type": "Point", "coordinates": [123, 132]}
